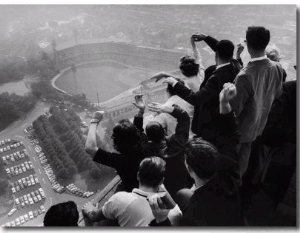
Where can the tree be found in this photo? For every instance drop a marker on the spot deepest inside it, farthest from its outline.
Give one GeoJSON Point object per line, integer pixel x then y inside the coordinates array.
{"type": "Point", "coordinates": [3, 186]}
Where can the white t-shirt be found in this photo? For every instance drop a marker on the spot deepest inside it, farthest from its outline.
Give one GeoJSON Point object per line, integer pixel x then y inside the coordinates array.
{"type": "Point", "coordinates": [133, 209]}
{"type": "Point", "coordinates": [169, 122]}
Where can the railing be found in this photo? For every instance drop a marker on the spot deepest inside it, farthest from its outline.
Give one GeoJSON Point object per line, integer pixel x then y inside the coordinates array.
{"type": "Point", "coordinates": [107, 192]}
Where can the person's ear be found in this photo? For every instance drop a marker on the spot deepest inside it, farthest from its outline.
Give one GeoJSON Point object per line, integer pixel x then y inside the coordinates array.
{"type": "Point", "coordinates": [188, 168]}
{"type": "Point", "coordinates": [162, 181]}
{"type": "Point", "coordinates": [138, 176]}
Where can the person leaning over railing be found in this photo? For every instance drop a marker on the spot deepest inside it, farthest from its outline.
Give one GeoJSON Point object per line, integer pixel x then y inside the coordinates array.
{"type": "Point", "coordinates": [131, 209]}
{"type": "Point", "coordinates": [128, 141]}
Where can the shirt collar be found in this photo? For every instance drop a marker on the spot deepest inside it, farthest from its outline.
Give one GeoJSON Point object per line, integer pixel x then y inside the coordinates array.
{"type": "Point", "coordinates": [225, 64]}
{"type": "Point", "coordinates": [258, 58]}
{"type": "Point", "coordinates": [141, 192]}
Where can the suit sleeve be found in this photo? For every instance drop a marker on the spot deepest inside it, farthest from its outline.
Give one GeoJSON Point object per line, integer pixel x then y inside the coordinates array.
{"type": "Point", "coordinates": [211, 42]}
{"type": "Point", "coordinates": [178, 140]}
{"type": "Point", "coordinates": [205, 94]}
{"type": "Point", "coordinates": [138, 122]}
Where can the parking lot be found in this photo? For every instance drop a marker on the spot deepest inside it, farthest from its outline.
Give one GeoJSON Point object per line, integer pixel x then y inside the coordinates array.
{"type": "Point", "coordinates": [44, 173]}
{"type": "Point", "coordinates": [28, 194]}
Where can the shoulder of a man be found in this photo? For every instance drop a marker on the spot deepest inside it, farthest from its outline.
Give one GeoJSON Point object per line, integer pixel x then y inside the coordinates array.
{"type": "Point", "coordinates": [243, 76]}
{"type": "Point", "coordinates": [117, 203]}
{"type": "Point", "coordinates": [121, 198]}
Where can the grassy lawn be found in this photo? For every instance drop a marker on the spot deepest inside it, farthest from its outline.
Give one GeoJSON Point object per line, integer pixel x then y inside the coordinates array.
{"type": "Point", "coordinates": [103, 79]}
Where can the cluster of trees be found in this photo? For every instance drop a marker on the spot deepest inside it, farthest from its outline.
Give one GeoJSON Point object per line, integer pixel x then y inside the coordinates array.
{"type": "Point", "coordinates": [55, 151]}
{"type": "Point", "coordinates": [31, 60]}
{"type": "Point", "coordinates": [11, 69]}
{"type": "Point", "coordinates": [13, 106]}
{"type": "Point", "coordinates": [66, 124]}
{"type": "Point", "coordinates": [3, 180]}
{"type": "Point", "coordinates": [41, 65]}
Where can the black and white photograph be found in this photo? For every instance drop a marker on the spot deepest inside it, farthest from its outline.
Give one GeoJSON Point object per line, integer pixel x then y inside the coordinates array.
{"type": "Point", "coordinates": [133, 116]}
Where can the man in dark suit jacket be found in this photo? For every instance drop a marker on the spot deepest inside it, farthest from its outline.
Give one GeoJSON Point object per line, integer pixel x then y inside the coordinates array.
{"type": "Point", "coordinates": [206, 100]}
{"type": "Point", "coordinates": [215, 201]}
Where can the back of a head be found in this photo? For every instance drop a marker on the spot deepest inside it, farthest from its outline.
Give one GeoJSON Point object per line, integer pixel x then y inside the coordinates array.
{"type": "Point", "coordinates": [225, 49]}
{"type": "Point", "coordinates": [125, 137]}
{"type": "Point", "coordinates": [155, 132]}
{"type": "Point", "coordinates": [152, 170]}
{"type": "Point", "coordinates": [202, 157]}
{"type": "Point", "coordinates": [188, 66]}
{"type": "Point", "coordinates": [257, 38]}
{"type": "Point", "coordinates": [170, 88]}
{"type": "Point", "coordinates": [273, 53]}
{"type": "Point", "coordinates": [62, 214]}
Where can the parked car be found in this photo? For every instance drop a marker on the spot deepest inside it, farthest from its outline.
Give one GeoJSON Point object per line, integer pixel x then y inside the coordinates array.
{"type": "Point", "coordinates": [13, 210]}
{"type": "Point", "coordinates": [35, 213]}
{"type": "Point", "coordinates": [30, 213]}
{"type": "Point", "coordinates": [43, 209]}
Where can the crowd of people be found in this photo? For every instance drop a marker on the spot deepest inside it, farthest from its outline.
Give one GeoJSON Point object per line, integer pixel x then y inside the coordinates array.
{"type": "Point", "coordinates": [226, 133]}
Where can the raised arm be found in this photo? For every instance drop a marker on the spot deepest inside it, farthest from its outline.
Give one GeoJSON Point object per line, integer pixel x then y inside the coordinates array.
{"type": "Point", "coordinates": [138, 119]}
{"type": "Point", "coordinates": [178, 140]}
{"type": "Point", "coordinates": [240, 49]}
{"type": "Point", "coordinates": [100, 155]}
{"type": "Point", "coordinates": [91, 142]}
{"type": "Point", "coordinates": [210, 41]}
{"type": "Point", "coordinates": [198, 58]}
{"type": "Point", "coordinates": [205, 94]}
{"type": "Point", "coordinates": [228, 139]}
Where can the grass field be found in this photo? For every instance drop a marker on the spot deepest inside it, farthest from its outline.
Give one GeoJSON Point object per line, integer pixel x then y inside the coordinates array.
{"type": "Point", "coordinates": [18, 88]}
{"type": "Point", "coordinates": [108, 80]}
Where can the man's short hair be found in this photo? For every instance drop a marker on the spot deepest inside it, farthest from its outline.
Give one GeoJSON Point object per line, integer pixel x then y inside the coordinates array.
{"type": "Point", "coordinates": [202, 157]}
{"type": "Point", "coordinates": [152, 170]}
{"type": "Point", "coordinates": [125, 137]}
{"type": "Point", "coordinates": [170, 88]}
{"type": "Point", "coordinates": [188, 66]}
{"type": "Point", "coordinates": [62, 214]}
{"type": "Point", "coordinates": [225, 49]}
{"type": "Point", "coordinates": [155, 132]}
{"type": "Point", "coordinates": [257, 38]}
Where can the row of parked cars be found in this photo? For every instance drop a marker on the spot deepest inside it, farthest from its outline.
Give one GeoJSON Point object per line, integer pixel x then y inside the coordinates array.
{"type": "Point", "coordinates": [2, 142]}
{"type": "Point", "coordinates": [42, 158]}
{"type": "Point", "coordinates": [78, 192]}
{"type": "Point", "coordinates": [24, 183]}
{"type": "Point", "coordinates": [15, 156]}
{"type": "Point", "coordinates": [26, 217]}
{"type": "Point", "coordinates": [19, 169]}
{"type": "Point", "coordinates": [30, 198]}
{"type": "Point", "coordinates": [52, 178]}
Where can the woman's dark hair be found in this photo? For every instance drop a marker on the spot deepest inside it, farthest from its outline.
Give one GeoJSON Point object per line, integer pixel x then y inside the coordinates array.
{"type": "Point", "coordinates": [188, 66]}
{"type": "Point", "coordinates": [62, 214]}
{"type": "Point", "coordinates": [126, 137]}
{"type": "Point", "coordinates": [152, 170]}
